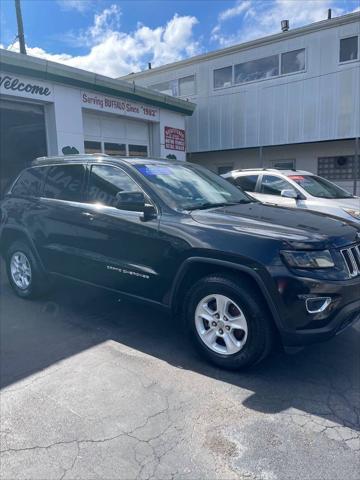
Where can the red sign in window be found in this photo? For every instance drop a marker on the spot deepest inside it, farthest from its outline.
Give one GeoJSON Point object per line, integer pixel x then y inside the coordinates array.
{"type": "Point", "coordinates": [174, 139]}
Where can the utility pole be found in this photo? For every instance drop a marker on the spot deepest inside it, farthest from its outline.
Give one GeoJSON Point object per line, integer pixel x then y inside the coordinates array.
{"type": "Point", "coordinates": [21, 35]}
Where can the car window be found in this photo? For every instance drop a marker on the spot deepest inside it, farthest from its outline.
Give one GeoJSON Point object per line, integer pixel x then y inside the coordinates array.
{"type": "Point", "coordinates": [106, 182]}
{"type": "Point", "coordinates": [189, 187]}
{"type": "Point", "coordinates": [247, 182]}
{"type": "Point", "coordinates": [273, 185]}
{"type": "Point", "coordinates": [29, 183]}
{"type": "Point", "coordinates": [64, 182]}
{"type": "Point", "coordinates": [320, 187]}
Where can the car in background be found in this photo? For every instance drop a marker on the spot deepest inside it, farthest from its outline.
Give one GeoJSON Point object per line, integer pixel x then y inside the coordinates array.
{"type": "Point", "coordinates": [297, 188]}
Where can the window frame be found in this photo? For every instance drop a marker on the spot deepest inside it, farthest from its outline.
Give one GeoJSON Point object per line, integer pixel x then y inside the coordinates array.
{"type": "Point", "coordinates": [10, 190]}
{"type": "Point", "coordinates": [119, 167]}
{"type": "Point", "coordinates": [49, 166]}
{"type": "Point", "coordinates": [280, 75]}
{"type": "Point", "coordinates": [195, 86]}
{"type": "Point", "coordinates": [257, 184]}
{"type": "Point", "coordinates": [258, 79]}
{"type": "Point", "coordinates": [271, 174]}
{"type": "Point", "coordinates": [232, 77]}
{"type": "Point", "coordinates": [298, 71]}
{"type": "Point", "coordinates": [346, 62]}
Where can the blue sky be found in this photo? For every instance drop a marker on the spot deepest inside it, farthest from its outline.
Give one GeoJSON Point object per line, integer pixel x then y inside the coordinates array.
{"type": "Point", "coordinates": [117, 37]}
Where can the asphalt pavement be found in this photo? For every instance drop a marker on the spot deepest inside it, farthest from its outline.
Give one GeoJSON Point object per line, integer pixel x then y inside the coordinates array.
{"type": "Point", "coordinates": [94, 387]}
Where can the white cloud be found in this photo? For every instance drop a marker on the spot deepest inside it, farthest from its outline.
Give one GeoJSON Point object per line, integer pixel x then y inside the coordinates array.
{"type": "Point", "coordinates": [78, 5]}
{"type": "Point", "coordinates": [240, 7]}
{"type": "Point", "coordinates": [261, 18]}
{"type": "Point", "coordinates": [115, 53]}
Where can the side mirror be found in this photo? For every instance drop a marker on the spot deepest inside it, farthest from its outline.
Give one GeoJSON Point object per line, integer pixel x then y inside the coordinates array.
{"type": "Point", "coordinates": [149, 212]}
{"type": "Point", "coordinates": [289, 194]}
{"type": "Point", "coordinates": [132, 201]}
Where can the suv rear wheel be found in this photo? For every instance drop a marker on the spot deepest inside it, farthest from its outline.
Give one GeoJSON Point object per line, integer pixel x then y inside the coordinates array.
{"type": "Point", "coordinates": [24, 272]}
{"type": "Point", "coordinates": [228, 322]}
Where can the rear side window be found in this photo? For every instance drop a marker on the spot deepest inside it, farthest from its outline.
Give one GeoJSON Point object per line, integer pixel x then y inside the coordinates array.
{"type": "Point", "coordinates": [247, 183]}
{"type": "Point", "coordinates": [64, 182]}
{"type": "Point", "coordinates": [29, 183]}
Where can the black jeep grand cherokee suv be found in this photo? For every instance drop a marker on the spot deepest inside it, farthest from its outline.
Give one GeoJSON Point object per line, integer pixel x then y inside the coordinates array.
{"type": "Point", "coordinates": [177, 235]}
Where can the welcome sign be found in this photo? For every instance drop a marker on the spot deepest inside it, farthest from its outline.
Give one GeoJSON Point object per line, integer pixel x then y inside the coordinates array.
{"type": "Point", "coordinates": [24, 87]}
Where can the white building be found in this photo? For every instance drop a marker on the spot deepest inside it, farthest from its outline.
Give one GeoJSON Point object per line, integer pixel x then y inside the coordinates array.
{"type": "Point", "coordinates": [50, 109]}
{"type": "Point", "coordinates": [287, 100]}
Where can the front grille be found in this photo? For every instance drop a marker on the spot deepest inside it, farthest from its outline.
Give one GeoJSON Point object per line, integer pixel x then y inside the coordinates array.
{"type": "Point", "coordinates": [351, 256]}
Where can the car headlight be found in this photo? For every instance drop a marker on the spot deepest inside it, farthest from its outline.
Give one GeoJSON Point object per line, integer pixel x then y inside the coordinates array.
{"type": "Point", "coordinates": [312, 259]}
{"type": "Point", "coordinates": [353, 213]}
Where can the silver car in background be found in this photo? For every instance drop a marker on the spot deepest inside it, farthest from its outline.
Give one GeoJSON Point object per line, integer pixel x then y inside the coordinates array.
{"type": "Point", "coordinates": [298, 189]}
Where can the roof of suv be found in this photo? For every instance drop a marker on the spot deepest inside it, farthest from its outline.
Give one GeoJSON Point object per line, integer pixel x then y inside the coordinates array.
{"type": "Point", "coordinates": [250, 171]}
{"type": "Point", "coordinates": [99, 157]}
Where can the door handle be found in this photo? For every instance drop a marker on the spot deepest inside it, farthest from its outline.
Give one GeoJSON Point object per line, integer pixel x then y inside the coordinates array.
{"type": "Point", "coordinates": [88, 215]}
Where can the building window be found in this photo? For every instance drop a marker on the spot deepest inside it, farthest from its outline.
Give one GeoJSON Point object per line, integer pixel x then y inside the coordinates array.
{"type": "Point", "coordinates": [138, 151]}
{"type": "Point", "coordinates": [167, 88]}
{"type": "Point", "coordinates": [293, 61]}
{"type": "Point", "coordinates": [337, 168]}
{"type": "Point", "coordinates": [92, 147]}
{"type": "Point", "coordinates": [223, 77]}
{"type": "Point", "coordinates": [115, 149]}
{"type": "Point", "coordinates": [349, 49]}
{"type": "Point", "coordinates": [187, 86]}
{"type": "Point", "coordinates": [257, 69]}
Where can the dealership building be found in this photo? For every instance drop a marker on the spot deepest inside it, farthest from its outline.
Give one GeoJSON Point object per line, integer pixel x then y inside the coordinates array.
{"type": "Point", "coordinates": [50, 109]}
{"type": "Point", "coordinates": [289, 100]}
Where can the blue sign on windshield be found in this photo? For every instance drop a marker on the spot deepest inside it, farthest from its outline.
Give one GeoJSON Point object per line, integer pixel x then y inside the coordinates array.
{"type": "Point", "coordinates": [150, 170]}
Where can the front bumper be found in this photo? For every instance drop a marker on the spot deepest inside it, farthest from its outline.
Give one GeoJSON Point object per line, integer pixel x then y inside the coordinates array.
{"type": "Point", "coordinates": [298, 326]}
{"type": "Point", "coordinates": [343, 319]}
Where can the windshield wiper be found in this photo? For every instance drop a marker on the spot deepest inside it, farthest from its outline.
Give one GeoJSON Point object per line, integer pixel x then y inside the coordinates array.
{"type": "Point", "coordinates": [206, 205]}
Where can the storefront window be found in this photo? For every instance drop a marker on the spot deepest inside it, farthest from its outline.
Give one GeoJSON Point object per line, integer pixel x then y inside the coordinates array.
{"type": "Point", "coordinates": [92, 147]}
{"type": "Point", "coordinates": [115, 149]}
{"type": "Point", "coordinates": [138, 151]}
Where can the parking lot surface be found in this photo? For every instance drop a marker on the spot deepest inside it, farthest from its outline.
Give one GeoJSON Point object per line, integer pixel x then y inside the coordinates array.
{"type": "Point", "coordinates": [98, 388]}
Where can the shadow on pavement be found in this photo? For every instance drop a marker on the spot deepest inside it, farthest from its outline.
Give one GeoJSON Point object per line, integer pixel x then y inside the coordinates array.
{"type": "Point", "coordinates": [322, 380]}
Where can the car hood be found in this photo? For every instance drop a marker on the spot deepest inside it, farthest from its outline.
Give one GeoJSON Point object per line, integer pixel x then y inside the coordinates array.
{"type": "Point", "coordinates": [298, 228]}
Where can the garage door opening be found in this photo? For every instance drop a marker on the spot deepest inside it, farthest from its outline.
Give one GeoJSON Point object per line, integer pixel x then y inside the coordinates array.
{"type": "Point", "coordinates": [22, 138]}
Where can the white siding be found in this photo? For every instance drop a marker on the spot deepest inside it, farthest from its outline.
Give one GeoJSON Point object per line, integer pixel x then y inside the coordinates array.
{"type": "Point", "coordinates": [322, 103]}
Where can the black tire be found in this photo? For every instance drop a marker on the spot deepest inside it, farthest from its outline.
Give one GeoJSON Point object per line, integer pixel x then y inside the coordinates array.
{"type": "Point", "coordinates": [259, 323]}
{"type": "Point", "coordinates": [39, 283]}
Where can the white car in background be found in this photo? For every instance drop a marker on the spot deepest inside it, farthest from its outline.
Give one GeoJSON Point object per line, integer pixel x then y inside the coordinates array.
{"type": "Point", "coordinates": [297, 188]}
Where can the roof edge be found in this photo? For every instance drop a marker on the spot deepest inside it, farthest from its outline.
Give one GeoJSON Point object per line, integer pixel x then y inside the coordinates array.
{"type": "Point", "coordinates": [17, 63]}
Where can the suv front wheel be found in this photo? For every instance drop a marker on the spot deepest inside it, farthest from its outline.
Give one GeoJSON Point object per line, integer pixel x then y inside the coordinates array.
{"type": "Point", "coordinates": [228, 321]}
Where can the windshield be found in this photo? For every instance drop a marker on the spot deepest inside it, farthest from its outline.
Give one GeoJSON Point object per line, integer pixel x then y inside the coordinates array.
{"type": "Point", "coordinates": [190, 187]}
{"type": "Point", "coordinates": [319, 187]}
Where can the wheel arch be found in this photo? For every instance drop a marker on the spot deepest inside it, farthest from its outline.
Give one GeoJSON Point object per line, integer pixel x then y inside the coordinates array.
{"type": "Point", "coordinates": [12, 234]}
{"type": "Point", "coordinates": [195, 268]}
